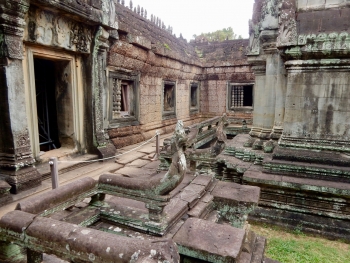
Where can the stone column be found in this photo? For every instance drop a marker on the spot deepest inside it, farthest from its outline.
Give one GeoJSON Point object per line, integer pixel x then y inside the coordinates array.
{"type": "Point", "coordinates": [280, 90]}
{"type": "Point", "coordinates": [16, 158]}
{"type": "Point", "coordinates": [99, 82]}
{"type": "Point", "coordinates": [259, 70]}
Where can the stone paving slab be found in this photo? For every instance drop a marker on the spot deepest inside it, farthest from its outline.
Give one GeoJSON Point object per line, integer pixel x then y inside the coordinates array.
{"type": "Point", "coordinates": [129, 157]}
{"type": "Point", "coordinates": [207, 198]}
{"type": "Point", "coordinates": [186, 181]}
{"type": "Point", "coordinates": [152, 165]}
{"type": "Point", "coordinates": [139, 163]}
{"type": "Point", "coordinates": [203, 180]}
{"type": "Point", "coordinates": [149, 148]}
{"type": "Point", "coordinates": [192, 194]}
{"type": "Point", "coordinates": [209, 241]}
{"type": "Point", "coordinates": [175, 209]}
{"type": "Point", "coordinates": [135, 172]}
{"type": "Point", "coordinates": [116, 167]}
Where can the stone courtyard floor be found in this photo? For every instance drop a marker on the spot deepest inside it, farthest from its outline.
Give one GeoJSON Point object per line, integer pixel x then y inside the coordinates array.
{"type": "Point", "coordinates": [136, 163]}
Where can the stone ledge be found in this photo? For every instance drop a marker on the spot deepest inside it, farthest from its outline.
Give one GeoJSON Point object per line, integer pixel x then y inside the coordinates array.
{"type": "Point", "coordinates": [209, 241]}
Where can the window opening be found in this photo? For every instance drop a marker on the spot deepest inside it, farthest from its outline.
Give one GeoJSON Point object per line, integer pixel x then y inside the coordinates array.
{"type": "Point", "coordinates": [194, 96]}
{"type": "Point", "coordinates": [124, 99]}
{"type": "Point", "coordinates": [242, 96]}
{"type": "Point", "coordinates": [169, 97]}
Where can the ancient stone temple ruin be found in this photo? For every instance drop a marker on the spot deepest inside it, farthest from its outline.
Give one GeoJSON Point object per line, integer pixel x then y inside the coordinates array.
{"type": "Point", "coordinates": [163, 217]}
{"type": "Point", "coordinates": [261, 129]}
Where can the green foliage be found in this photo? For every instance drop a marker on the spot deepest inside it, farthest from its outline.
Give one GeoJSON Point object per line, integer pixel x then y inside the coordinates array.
{"type": "Point", "coordinates": [297, 247]}
{"type": "Point", "coordinates": [218, 35]}
{"type": "Point", "coordinates": [167, 46]}
{"type": "Point", "coordinates": [304, 251]}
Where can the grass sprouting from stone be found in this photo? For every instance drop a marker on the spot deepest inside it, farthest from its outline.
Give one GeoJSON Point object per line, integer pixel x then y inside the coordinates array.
{"type": "Point", "coordinates": [296, 247]}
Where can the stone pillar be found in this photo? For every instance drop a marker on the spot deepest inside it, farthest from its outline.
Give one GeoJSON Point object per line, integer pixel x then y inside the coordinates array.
{"type": "Point", "coordinates": [280, 91]}
{"type": "Point", "coordinates": [16, 158]}
{"type": "Point", "coordinates": [259, 94]}
{"type": "Point", "coordinates": [99, 82]}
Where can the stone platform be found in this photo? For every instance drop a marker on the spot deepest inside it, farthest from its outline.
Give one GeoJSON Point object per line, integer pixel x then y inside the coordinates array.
{"type": "Point", "coordinates": [198, 203]}
{"type": "Point", "coordinates": [296, 190]}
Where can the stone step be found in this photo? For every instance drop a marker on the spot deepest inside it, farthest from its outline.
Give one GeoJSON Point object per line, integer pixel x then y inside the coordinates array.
{"type": "Point", "coordinates": [247, 248]}
{"type": "Point", "coordinates": [203, 207]}
{"type": "Point", "coordinates": [307, 184]}
{"type": "Point", "coordinates": [307, 223]}
{"type": "Point", "coordinates": [309, 156]}
{"type": "Point", "coordinates": [209, 241]}
{"type": "Point", "coordinates": [253, 249]}
{"type": "Point", "coordinates": [307, 170]}
{"type": "Point", "coordinates": [213, 216]}
{"type": "Point", "coordinates": [259, 250]}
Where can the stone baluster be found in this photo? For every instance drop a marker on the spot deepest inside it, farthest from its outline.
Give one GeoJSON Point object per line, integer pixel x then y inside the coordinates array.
{"type": "Point", "coordinates": [138, 9]}
{"type": "Point", "coordinates": [135, 10]}
{"type": "Point", "coordinates": [117, 98]}
{"type": "Point", "coordinates": [152, 18]}
{"type": "Point", "coordinates": [123, 2]}
{"type": "Point", "coordinates": [130, 5]}
{"type": "Point", "coordinates": [145, 13]}
{"type": "Point", "coordinates": [142, 11]}
{"type": "Point", "coordinates": [118, 1]}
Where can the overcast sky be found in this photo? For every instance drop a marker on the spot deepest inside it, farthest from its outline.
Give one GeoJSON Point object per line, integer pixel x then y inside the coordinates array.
{"type": "Point", "coordinates": [191, 17]}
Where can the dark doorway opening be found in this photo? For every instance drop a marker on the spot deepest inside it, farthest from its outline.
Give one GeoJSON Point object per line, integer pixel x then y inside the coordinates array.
{"type": "Point", "coordinates": [45, 85]}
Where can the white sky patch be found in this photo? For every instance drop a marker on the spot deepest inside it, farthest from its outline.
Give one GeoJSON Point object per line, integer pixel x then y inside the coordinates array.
{"type": "Point", "coordinates": [191, 17]}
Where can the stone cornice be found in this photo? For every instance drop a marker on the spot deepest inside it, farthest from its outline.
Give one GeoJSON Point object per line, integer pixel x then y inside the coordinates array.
{"type": "Point", "coordinates": [318, 64]}
{"type": "Point", "coordinates": [101, 13]}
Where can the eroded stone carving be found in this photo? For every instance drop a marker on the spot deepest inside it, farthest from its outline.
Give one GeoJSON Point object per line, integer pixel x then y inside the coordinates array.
{"type": "Point", "coordinates": [287, 24]}
{"type": "Point", "coordinates": [12, 24]}
{"type": "Point", "coordinates": [269, 14]}
{"type": "Point", "coordinates": [49, 29]}
{"type": "Point", "coordinates": [178, 166]}
{"type": "Point", "coordinates": [254, 41]}
{"type": "Point", "coordinates": [321, 44]}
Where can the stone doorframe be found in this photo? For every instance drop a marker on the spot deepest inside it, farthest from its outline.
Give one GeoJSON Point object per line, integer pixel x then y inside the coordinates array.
{"type": "Point", "coordinates": [32, 52]}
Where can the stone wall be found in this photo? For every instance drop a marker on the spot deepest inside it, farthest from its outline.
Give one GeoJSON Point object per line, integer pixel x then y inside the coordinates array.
{"type": "Point", "coordinates": [92, 47]}
{"type": "Point", "coordinates": [223, 63]}
{"type": "Point", "coordinates": [150, 51]}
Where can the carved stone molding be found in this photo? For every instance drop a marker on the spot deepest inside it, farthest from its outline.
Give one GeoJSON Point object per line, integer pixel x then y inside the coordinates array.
{"type": "Point", "coordinates": [269, 14]}
{"type": "Point", "coordinates": [105, 148]}
{"type": "Point", "coordinates": [92, 12]}
{"type": "Point", "coordinates": [287, 33]}
{"type": "Point", "coordinates": [321, 45]}
{"type": "Point", "coordinates": [49, 29]}
{"type": "Point", "coordinates": [12, 27]}
{"type": "Point", "coordinates": [254, 41]}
